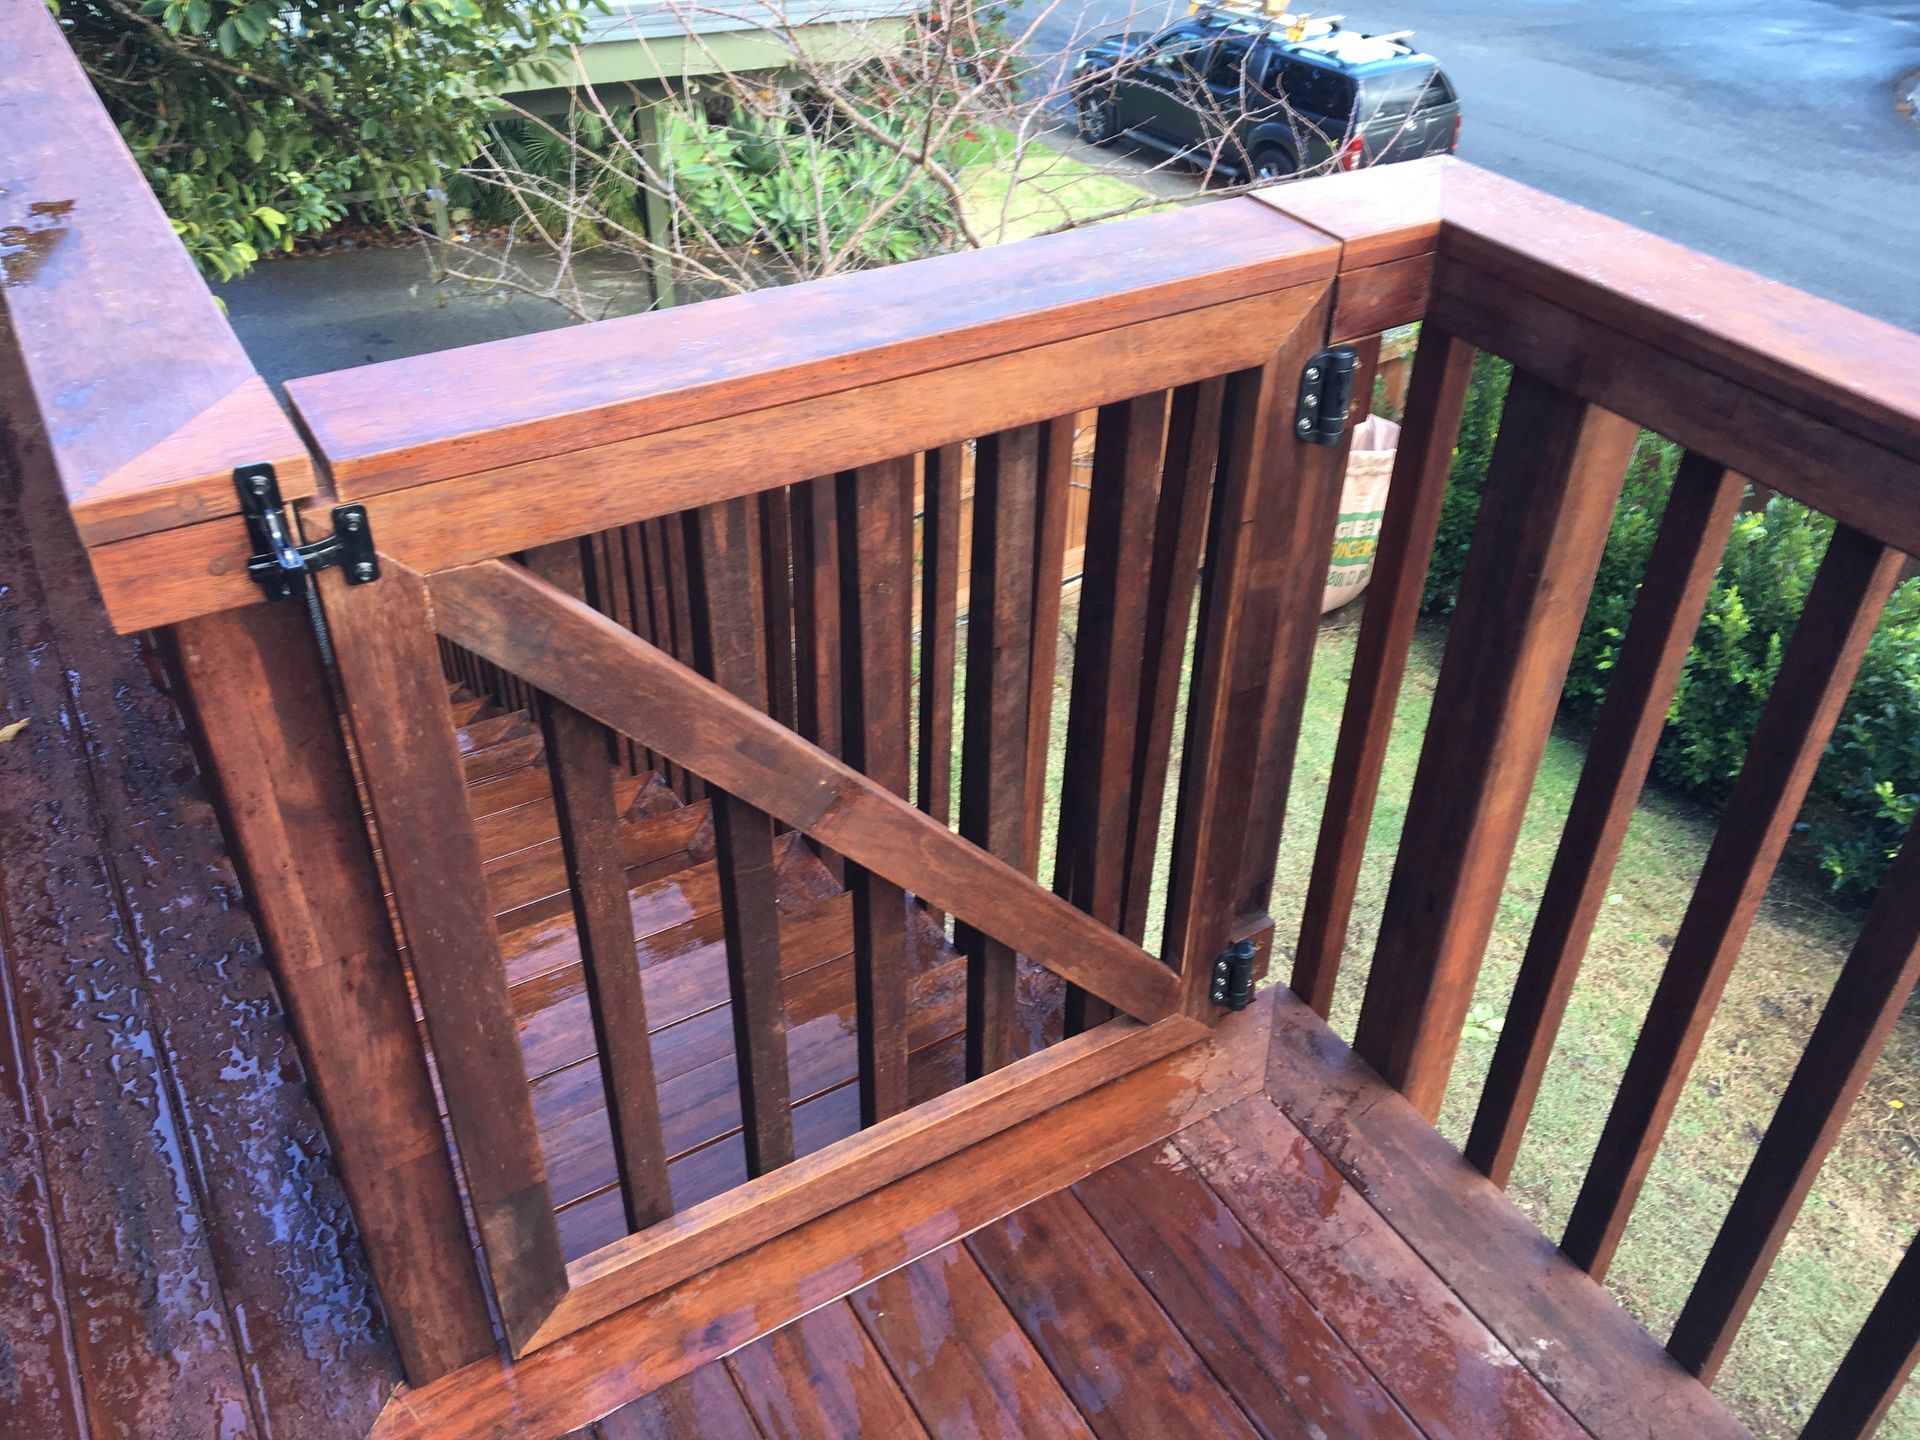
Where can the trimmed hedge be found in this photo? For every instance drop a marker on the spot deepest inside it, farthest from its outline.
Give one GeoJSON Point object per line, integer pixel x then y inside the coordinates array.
{"type": "Point", "coordinates": [1867, 789]}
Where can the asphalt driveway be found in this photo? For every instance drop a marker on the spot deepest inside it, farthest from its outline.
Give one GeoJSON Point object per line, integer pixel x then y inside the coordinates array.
{"type": "Point", "coordinates": [1765, 132]}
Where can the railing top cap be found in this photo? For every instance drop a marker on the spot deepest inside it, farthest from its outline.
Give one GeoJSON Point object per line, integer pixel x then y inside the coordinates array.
{"type": "Point", "coordinates": [404, 423]}
{"type": "Point", "coordinates": [1805, 350]}
{"type": "Point", "coordinates": [142, 390]}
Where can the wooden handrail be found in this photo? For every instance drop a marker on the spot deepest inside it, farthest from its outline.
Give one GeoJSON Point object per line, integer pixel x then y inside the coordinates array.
{"type": "Point", "coordinates": [537, 397]}
{"type": "Point", "coordinates": [113, 342]}
{"type": "Point", "coordinates": [1808, 353]}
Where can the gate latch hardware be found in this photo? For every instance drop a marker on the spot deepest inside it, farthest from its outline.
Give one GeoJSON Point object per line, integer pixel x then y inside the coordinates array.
{"type": "Point", "coordinates": [1233, 975]}
{"type": "Point", "coordinates": [1326, 395]}
{"type": "Point", "coordinates": [281, 566]}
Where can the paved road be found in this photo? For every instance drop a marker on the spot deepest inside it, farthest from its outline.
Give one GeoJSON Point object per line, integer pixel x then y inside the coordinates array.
{"type": "Point", "coordinates": [1761, 131]}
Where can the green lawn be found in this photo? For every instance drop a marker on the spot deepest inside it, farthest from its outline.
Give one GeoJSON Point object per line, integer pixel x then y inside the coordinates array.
{"type": "Point", "coordinates": [1013, 192]}
{"type": "Point", "coordinates": [1861, 1215]}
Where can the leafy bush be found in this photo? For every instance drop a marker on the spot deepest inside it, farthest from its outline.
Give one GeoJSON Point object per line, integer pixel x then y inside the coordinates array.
{"type": "Point", "coordinates": [1867, 789]}
{"type": "Point", "coordinates": [794, 185]}
{"type": "Point", "coordinates": [259, 120]}
{"type": "Point", "coordinates": [797, 188]}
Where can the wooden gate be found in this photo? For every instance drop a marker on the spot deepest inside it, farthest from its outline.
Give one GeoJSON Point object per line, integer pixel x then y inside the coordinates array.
{"type": "Point", "coordinates": [775, 479]}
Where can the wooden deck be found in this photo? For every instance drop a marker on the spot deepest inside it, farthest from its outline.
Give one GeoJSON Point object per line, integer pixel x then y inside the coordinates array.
{"type": "Point", "coordinates": [1236, 1277]}
{"type": "Point", "coordinates": [1227, 1282]}
{"type": "Point", "coordinates": [1232, 1277]}
{"type": "Point", "coordinates": [689, 543]}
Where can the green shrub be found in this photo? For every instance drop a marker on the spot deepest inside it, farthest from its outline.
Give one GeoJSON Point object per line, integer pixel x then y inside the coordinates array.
{"type": "Point", "coordinates": [1867, 789]}
{"type": "Point", "coordinates": [256, 120]}
{"type": "Point", "coordinates": [800, 185]}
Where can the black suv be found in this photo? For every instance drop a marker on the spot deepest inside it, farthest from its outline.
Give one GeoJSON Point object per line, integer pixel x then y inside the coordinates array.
{"type": "Point", "coordinates": [1266, 96]}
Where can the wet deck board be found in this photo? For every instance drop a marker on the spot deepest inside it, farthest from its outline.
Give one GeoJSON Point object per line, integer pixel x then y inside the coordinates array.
{"type": "Point", "coordinates": [1137, 1304]}
{"type": "Point", "coordinates": [675, 907]}
{"type": "Point", "coordinates": [180, 1261]}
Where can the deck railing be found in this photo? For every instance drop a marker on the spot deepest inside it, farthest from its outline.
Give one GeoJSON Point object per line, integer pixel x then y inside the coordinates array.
{"type": "Point", "coordinates": [687, 541]}
{"type": "Point", "coordinates": [1610, 330]}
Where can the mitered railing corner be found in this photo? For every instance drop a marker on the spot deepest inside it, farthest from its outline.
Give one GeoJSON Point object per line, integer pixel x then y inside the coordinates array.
{"type": "Point", "coordinates": [1387, 222]}
{"type": "Point", "coordinates": [118, 367]}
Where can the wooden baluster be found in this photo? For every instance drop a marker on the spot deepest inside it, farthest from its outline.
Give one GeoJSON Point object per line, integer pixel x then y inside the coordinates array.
{"type": "Point", "coordinates": [1848, 594]}
{"type": "Point", "coordinates": [605, 580]}
{"type": "Point", "coordinates": [1556, 474]}
{"type": "Point", "coordinates": [999, 676]}
{"type": "Point", "coordinates": [1878, 1363]}
{"type": "Point", "coordinates": [1096, 799]}
{"type": "Point", "coordinates": [1296, 627]}
{"type": "Point", "coordinates": [680, 607]}
{"type": "Point", "coordinates": [383, 640]}
{"type": "Point", "coordinates": [816, 609]}
{"type": "Point", "coordinates": [622, 553]}
{"type": "Point", "coordinates": [659, 631]}
{"type": "Point", "coordinates": [1437, 396]}
{"type": "Point", "coordinates": [1679, 576]}
{"type": "Point", "coordinates": [1179, 530]}
{"type": "Point", "coordinates": [816, 623]}
{"type": "Point", "coordinates": [1051, 506]}
{"type": "Point", "coordinates": [939, 604]}
{"type": "Point", "coordinates": [579, 765]}
{"type": "Point", "coordinates": [261, 704]}
{"type": "Point", "coordinates": [634, 545]}
{"type": "Point", "coordinates": [776, 551]}
{"type": "Point", "coordinates": [724, 548]}
{"type": "Point", "coordinates": [1866, 1003]}
{"type": "Point", "coordinates": [875, 516]}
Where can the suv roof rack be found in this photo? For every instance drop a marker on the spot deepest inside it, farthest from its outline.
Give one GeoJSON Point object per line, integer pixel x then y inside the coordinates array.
{"type": "Point", "coordinates": [1320, 35]}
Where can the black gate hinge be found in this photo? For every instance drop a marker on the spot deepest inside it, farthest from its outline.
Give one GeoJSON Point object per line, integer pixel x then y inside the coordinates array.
{"type": "Point", "coordinates": [281, 566]}
{"type": "Point", "coordinates": [1326, 395]}
{"type": "Point", "coordinates": [1233, 975]}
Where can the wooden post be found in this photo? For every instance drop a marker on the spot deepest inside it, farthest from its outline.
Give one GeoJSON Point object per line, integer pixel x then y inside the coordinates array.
{"type": "Point", "coordinates": [267, 723]}
{"type": "Point", "coordinates": [659, 223]}
{"type": "Point", "coordinates": [1265, 516]}
{"type": "Point", "coordinates": [383, 642]}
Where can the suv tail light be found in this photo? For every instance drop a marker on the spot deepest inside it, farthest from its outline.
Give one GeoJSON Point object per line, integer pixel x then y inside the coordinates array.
{"type": "Point", "coordinates": [1454, 144]}
{"type": "Point", "coordinates": [1353, 154]}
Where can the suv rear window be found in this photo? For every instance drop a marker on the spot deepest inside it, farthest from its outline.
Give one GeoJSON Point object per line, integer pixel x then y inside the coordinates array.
{"type": "Point", "coordinates": [1397, 94]}
{"type": "Point", "coordinates": [1314, 89]}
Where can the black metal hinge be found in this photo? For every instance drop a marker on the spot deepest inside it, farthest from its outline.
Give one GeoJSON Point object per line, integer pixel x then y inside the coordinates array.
{"type": "Point", "coordinates": [1233, 975]}
{"type": "Point", "coordinates": [279, 564]}
{"type": "Point", "coordinates": [1326, 395]}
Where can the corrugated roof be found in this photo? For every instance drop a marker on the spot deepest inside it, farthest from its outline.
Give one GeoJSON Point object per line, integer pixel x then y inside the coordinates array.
{"type": "Point", "coordinates": [671, 19]}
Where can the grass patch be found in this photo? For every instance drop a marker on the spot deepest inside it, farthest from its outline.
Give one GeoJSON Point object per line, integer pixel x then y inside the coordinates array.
{"type": "Point", "coordinates": [1012, 193]}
